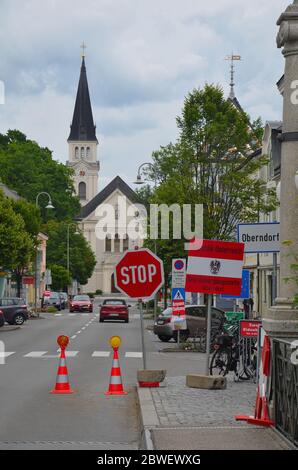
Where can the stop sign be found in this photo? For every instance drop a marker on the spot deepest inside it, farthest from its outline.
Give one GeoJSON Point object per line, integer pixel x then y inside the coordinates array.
{"type": "Point", "coordinates": [139, 273]}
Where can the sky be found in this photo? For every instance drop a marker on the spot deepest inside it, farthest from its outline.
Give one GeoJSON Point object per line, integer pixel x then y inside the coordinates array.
{"type": "Point", "coordinates": [142, 58]}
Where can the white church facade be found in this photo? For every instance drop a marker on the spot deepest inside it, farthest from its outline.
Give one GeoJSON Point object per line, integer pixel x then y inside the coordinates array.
{"type": "Point", "coordinates": [83, 144]}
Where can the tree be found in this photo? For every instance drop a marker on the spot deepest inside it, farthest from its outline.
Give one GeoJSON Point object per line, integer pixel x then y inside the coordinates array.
{"type": "Point", "coordinates": [213, 163]}
{"type": "Point", "coordinates": [29, 169]}
{"type": "Point", "coordinates": [60, 277]}
{"type": "Point", "coordinates": [16, 244]}
{"type": "Point", "coordinates": [82, 258]}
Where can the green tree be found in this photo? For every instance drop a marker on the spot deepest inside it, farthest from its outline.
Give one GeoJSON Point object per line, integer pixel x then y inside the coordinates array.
{"type": "Point", "coordinates": [60, 277]}
{"type": "Point", "coordinates": [213, 163]}
{"type": "Point", "coordinates": [29, 169]}
{"type": "Point", "coordinates": [16, 244]}
{"type": "Point", "coordinates": [82, 258]}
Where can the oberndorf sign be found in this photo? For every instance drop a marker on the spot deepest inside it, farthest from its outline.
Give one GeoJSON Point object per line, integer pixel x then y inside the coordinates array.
{"type": "Point", "coordinates": [260, 238]}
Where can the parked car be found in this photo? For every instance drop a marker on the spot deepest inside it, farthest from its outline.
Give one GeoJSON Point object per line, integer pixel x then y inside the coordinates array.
{"type": "Point", "coordinates": [53, 299]}
{"type": "Point", "coordinates": [114, 309]}
{"type": "Point", "coordinates": [2, 319]}
{"type": "Point", "coordinates": [81, 303]}
{"type": "Point", "coordinates": [196, 322]}
{"type": "Point", "coordinates": [64, 299]}
{"type": "Point", "coordinates": [14, 309]}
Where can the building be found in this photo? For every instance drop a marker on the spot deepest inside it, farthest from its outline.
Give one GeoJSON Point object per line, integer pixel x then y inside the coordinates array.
{"type": "Point", "coordinates": [117, 196]}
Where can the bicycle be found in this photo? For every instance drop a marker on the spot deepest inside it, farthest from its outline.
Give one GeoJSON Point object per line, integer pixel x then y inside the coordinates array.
{"type": "Point", "coordinates": [227, 355]}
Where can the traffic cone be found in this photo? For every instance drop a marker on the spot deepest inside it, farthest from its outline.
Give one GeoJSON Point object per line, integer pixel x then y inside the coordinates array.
{"type": "Point", "coordinates": [62, 383]}
{"type": "Point", "coordinates": [115, 387]}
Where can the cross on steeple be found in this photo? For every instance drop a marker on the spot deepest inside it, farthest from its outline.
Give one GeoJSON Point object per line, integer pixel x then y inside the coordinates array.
{"type": "Point", "coordinates": [83, 47]}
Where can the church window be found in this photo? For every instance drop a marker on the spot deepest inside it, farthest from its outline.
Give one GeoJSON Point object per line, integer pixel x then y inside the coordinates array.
{"type": "Point", "coordinates": [88, 152]}
{"type": "Point", "coordinates": [125, 243]}
{"type": "Point", "coordinates": [82, 152]}
{"type": "Point", "coordinates": [82, 190]}
{"type": "Point", "coordinates": [117, 243]}
{"type": "Point", "coordinates": [77, 152]}
{"type": "Point", "coordinates": [108, 243]}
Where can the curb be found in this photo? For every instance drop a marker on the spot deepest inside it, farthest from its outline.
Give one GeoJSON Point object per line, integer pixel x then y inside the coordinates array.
{"type": "Point", "coordinates": [9, 328]}
{"type": "Point", "coordinates": [148, 415]}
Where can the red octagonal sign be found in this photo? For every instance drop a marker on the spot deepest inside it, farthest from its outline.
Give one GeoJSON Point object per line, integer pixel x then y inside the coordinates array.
{"type": "Point", "coordinates": [139, 274]}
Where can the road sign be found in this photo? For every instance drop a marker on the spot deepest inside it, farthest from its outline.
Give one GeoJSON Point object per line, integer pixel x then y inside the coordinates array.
{"type": "Point", "coordinates": [245, 287]}
{"type": "Point", "coordinates": [215, 268]}
{"type": "Point", "coordinates": [249, 328]}
{"type": "Point", "coordinates": [178, 272]}
{"type": "Point", "coordinates": [178, 301]}
{"type": "Point", "coordinates": [27, 280]}
{"type": "Point", "coordinates": [260, 238]}
{"type": "Point", "coordinates": [139, 274]}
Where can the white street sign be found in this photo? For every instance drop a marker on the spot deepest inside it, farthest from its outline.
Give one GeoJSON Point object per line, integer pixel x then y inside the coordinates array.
{"type": "Point", "coordinates": [260, 238]}
{"type": "Point", "coordinates": [178, 272]}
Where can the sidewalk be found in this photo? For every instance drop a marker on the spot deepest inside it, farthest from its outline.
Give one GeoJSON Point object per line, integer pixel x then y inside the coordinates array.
{"type": "Point", "coordinates": [183, 418]}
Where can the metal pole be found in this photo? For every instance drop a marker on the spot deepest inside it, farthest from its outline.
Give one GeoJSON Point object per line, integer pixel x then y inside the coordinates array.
{"type": "Point", "coordinates": [35, 290]}
{"type": "Point", "coordinates": [274, 278]}
{"type": "Point", "coordinates": [208, 333]}
{"type": "Point", "coordinates": [142, 335]}
{"type": "Point", "coordinates": [68, 247]}
{"type": "Point", "coordinates": [178, 338]}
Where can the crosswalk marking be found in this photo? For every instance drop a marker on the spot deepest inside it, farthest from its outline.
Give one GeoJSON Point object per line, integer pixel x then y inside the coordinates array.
{"type": "Point", "coordinates": [101, 354]}
{"type": "Point", "coordinates": [69, 353]}
{"type": "Point", "coordinates": [35, 354]}
{"type": "Point", "coordinates": [134, 354]}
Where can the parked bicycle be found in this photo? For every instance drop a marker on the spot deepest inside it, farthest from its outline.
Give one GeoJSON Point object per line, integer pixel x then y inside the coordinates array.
{"type": "Point", "coordinates": [230, 356]}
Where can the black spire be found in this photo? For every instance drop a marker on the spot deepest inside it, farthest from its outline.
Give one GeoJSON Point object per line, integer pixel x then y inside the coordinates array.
{"type": "Point", "coordinates": [82, 126]}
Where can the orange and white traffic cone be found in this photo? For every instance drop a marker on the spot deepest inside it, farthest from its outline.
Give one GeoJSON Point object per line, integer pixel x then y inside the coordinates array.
{"type": "Point", "coordinates": [115, 387]}
{"type": "Point", "coordinates": [62, 385]}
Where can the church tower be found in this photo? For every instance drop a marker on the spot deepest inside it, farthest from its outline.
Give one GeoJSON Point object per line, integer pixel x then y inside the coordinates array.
{"type": "Point", "coordinates": [83, 143]}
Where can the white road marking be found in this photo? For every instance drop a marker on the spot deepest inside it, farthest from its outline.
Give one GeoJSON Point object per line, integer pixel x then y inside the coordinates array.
{"type": "Point", "coordinates": [134, 354]}
{"type": "Point", "coordinates": [84, 328]}
{"type": "Point", "coordinates": [58, 314]}
{"type": "Point", "coordinates": [80, 331]}
{"type": "Point", "coordinates": [6, 353]}
{"type": "Point", "coordinates": [35, 354]}
{"type": "Point", "coordinates": [73, 337]}
{"type": "Point", "coordinates": [101, 354]}
{"type": "Point", "coordinates": [71, 314]}
{"type": "Point", "coordinates": [85, 314]}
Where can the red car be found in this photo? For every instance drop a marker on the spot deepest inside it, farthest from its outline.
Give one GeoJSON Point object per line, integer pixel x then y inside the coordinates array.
{"type": "Point", "coordinates": [81, 303]}
{"type": "Point", "coordinates": [114, 309]}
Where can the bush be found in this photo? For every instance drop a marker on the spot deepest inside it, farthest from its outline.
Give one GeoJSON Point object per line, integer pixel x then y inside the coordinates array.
{"type": "Point", "coordinates": [98, 292]}
{"type": "Point", "coordinates": [51, 309]}
{"type": "Point", "coordinates": [91, 295]}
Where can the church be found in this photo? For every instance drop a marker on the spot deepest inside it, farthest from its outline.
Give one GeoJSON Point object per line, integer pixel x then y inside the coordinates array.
{"type": "Point", "coordinates": [82, 158]}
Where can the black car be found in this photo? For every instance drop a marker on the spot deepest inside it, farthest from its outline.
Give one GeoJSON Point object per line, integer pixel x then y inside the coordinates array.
{"type": "Point", "coordinates": [14, 309]}
{"type": "Point", "coordinates": [2, 321]}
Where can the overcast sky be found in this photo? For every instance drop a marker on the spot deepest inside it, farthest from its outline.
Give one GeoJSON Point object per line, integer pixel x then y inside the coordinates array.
{"type": "Point", "coordinates": [142, 58]}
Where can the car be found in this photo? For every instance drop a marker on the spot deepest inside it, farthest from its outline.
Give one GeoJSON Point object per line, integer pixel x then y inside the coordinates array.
{"type": "Point", "coordinates": [53, 299]}
{"type": "Point", "coordinates": [114, 309]}
{"type": "Point", "coordinates": [2, 319]}
{"type": "Point", "coordinates": [14, 309]}
{"type": "Point", "coordinates": [81, 303]}
{"type": "Point", "coordinates": [64, 299]}
{"type": "Point", "coordinates": [196, 323]}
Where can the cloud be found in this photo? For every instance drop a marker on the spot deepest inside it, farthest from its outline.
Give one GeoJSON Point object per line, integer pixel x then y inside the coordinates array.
{"type": "Point", "coordinates": [142, 59]}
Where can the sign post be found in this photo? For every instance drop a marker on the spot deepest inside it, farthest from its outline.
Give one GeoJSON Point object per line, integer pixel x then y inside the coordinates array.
{"type": "Point", "coordinates": [139, 274]}
{"type": "Point", "coordinates": [214, 268]}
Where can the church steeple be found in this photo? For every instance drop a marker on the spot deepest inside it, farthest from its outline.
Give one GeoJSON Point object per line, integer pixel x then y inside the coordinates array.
{"type": "Point", "coordinates": [82, 127]}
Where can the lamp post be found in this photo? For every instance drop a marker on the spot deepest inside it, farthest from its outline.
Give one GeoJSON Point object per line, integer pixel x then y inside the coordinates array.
{"type": "Point", "coordinates": [48, 206]}
{"type": "Point", "coordinates": [140, 181]}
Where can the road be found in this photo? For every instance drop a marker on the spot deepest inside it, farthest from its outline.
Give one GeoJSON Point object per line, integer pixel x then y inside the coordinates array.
{"type": "Point", "coordinates": [32, 418]}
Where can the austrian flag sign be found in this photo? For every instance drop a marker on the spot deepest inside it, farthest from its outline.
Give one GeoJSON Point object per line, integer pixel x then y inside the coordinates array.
{"type": "Point", "coordinates": [215, 267]}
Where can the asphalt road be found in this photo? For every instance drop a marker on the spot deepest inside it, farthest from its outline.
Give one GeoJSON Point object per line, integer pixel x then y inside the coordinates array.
{"type": "Point", "coordinates": [30, 417]}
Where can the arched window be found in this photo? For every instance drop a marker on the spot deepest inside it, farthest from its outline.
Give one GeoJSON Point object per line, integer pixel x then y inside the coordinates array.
{"type": "Point", "coordinates": [82, 152]}
{"type": "Point", "coordinates": [82, 190]}
{"type": "Point", "coordinates": [88, 154]}
{"type": "Point", "coordinates": [108, 243]}
{"type": "Point", "coordinates": [77, 152]}
{"type": "Point", "coordinates": [125, 243]}
{"type": "Point", "coordinates": [117, 243]}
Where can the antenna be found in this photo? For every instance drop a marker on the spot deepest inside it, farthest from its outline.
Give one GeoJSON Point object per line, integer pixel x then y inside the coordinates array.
{"type": "Point", "coordinates": [232, 58]}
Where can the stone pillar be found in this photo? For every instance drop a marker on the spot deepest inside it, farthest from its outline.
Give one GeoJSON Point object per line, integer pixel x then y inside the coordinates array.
{"type": "Point", "coordinates": [282, 319]}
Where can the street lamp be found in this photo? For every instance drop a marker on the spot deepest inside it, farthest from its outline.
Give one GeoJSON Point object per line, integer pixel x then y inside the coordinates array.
{"type": "Point", "coordinates": [140, 181]}
{"type": "Point", "coordinates": [48, 206]}
{"type": "Point", "coordinates": [68, 250]}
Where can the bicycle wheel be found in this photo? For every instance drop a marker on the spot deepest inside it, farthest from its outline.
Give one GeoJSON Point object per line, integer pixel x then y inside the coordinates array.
{"type": "Point", "coordinates": [219, 364]}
